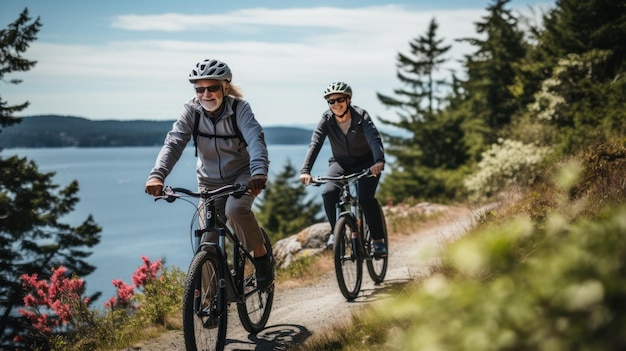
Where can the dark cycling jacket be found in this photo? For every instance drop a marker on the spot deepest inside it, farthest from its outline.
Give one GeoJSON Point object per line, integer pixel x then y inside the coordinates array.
{"type": "Point", "coordinates": [361, 146]}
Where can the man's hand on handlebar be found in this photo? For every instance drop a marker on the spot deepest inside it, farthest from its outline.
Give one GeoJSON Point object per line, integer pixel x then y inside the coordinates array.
{"type": "Point", "coordinates": [154, 186]}
{"type": "Point", "coordinates": [256, 183]}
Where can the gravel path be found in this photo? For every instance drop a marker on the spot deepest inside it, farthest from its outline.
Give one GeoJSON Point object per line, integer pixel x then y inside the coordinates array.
{"type": "Point", "coordinates": [300, 312]}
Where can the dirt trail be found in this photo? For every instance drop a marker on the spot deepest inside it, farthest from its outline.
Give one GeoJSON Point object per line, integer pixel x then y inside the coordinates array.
{"type": "Point", "coordinates": [300, 312]}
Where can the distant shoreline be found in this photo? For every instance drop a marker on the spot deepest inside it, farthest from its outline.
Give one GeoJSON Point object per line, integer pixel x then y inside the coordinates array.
{"type": "Point", "coordinates": [68, 131]}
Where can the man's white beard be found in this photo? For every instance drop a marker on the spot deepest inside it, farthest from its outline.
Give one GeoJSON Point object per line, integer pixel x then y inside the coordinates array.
{"type": "Point", "coordinates": [209, 106]}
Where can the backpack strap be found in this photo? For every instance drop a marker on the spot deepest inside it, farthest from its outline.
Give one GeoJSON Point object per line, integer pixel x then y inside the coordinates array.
{"type": "Point", "coordinates": [237, 135]}
{"type": "Point", "coordinates": [235, 126]}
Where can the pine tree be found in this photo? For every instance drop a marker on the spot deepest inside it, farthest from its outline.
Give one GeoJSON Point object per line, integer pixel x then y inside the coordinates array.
{"type": "Point", "coordinates": [576, 27]}
{"type": "Point", "coordinates": [32, 239]}
{"type": "Point", "coordinates": [13, 42]}
{"type": "Point", "coordinates": [490, 103]}
{"type": "Point", "coordinates": [284, 210]}
{"type": "Point", "coordinates": [574, 75]}
{"type": "Point", "coordinates": [435, 137]}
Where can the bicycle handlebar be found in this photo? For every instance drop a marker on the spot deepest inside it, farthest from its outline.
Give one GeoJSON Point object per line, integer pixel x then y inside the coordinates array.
{"type": "Point", "coordinates": [319, 180]}
{"type": "Point", "coordinates": [170, 194]}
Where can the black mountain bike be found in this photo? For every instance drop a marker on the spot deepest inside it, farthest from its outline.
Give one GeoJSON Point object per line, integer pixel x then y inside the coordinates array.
{"type": "Point", "coordinates": [353, 240]}
{"type": "Point", "coordinates": [215, 279]}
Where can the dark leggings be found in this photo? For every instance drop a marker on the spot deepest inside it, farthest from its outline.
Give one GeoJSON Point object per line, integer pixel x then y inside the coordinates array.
{"type": "Point", "coordinates": [367, 190]}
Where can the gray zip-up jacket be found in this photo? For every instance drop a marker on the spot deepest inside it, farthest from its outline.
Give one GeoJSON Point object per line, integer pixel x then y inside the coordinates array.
{"type": "Point", "coordinates": [220, 161]}
{"type": "Point", "coordinates": [362, 146]}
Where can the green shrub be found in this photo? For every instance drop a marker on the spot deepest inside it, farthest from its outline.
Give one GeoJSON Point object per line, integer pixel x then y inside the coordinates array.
{"type": "Point", "coordinates": [568, 295]}
{"type": "Point", "coordinates": [162, 297]}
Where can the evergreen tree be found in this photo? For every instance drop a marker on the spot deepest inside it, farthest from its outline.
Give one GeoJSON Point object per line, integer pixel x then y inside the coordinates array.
{"type": "Point", "coordinates": [13, 42]}
{"type": "Point", "coordinates": [32, 239]}
{"type": "Point", "coordinates": [435, 141]}
{"type": "Point", "coordinates": [575, 76]}
{"type": "Point", "coordinates": [284, 209]}
{"type": "Point", "coordinates": [490, 102]}
{"type": "Point", "coordinates": [576, 27]}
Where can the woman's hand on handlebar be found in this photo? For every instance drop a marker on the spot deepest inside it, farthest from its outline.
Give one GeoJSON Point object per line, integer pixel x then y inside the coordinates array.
{"type": "Point", "coordinates": [305, 178]}
{"type": "Point", "coordinates": [154, 186]}
{"type": "Point", "coordinates": [377, 168]}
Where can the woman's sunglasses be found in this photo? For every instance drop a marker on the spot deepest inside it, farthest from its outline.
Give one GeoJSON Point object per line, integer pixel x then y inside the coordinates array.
{"type": "Point", "coordinates": [340, 100]}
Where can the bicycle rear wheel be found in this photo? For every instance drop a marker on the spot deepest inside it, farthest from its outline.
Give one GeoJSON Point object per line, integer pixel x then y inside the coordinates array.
{"type": "Point", "coordinates": [205, 309]}
{"type": "Point", "coordinates": [377, 268]}
{"type": "Point", "coordinates": [255, 309]}
{"type": "Point", "coordinates": [348, 261]}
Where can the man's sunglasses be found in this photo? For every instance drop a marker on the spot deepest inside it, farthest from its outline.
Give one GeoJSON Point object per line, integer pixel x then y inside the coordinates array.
{"type": "Point", "coordinates": [340, 100]}
{"type": "Point", "coordinates": [211, 89]}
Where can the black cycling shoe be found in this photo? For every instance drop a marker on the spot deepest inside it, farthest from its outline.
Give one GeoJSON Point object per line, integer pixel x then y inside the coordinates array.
{"type": "Point", "coordinates": [380, 250]}
{"type": "Point", "coordinates": [264, 272]}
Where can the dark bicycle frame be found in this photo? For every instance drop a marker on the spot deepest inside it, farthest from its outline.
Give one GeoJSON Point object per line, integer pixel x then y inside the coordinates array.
{"type": "Point", "coordinates": [349, 205]}
{"type": "Point", "coordinates": [234, 284]}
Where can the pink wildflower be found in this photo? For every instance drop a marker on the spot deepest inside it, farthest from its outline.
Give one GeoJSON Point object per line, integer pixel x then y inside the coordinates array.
{"type": "Point", "coordinates": [147, 272]}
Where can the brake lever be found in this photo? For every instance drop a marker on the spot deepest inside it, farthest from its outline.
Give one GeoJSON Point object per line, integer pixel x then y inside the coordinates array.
{"type": "Point", "coordinates": [240, 191]}
{"type": "Point", "coordinates": [167, 194]}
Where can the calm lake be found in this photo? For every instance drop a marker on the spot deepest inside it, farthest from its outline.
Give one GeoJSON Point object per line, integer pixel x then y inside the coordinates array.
{"type": "Point", "coordinates": [112, 183]}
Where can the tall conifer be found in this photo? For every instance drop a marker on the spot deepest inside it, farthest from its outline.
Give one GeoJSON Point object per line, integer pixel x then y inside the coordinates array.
{"type": "Point", "coordinates": [32, 237]}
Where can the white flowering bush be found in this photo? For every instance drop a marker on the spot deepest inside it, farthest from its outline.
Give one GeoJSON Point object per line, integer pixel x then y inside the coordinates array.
{"type": "Point", "coordinates": [505, 163]}
{"type": "Point", "coordinates": [548, 103]}
{"type": "Point", "coordinates": [552, 100]}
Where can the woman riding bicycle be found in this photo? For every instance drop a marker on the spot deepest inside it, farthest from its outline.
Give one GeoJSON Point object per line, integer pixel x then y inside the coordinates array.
{"type": "Point", "coordinates": [223, 118]}
{"type": "Point", "coordinates": [355, 144]}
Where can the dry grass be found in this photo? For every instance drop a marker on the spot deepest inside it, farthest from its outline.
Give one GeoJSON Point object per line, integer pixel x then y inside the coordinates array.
{"type": "Point", "coordinates": [305, 271]}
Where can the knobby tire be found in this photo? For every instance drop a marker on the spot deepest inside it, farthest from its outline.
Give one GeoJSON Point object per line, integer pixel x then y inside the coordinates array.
{"type": "Point", "coordinates": [205, 308]}
{"type": "Point", "coordinates": [255, 310]}
{"type": "Point", "coordinates": [377, 268]}
{"type": "Point", "coordinates": [348, 260]}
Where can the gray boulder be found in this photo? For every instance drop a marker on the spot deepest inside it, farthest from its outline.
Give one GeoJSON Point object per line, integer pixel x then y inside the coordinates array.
{"type": "Point", "coordinates": [307, 242]}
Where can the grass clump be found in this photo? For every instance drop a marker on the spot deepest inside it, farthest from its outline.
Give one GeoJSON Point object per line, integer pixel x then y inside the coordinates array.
{"type": "Point", "coordinates": [305, 270]}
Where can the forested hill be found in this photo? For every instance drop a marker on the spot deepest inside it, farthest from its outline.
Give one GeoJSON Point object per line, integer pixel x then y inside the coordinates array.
{"type": "Point", "coordinates": [60, 131]}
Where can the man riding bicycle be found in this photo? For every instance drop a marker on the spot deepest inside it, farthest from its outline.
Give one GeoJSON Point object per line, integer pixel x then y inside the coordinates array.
{"type": "Point", "coordinates": [231, 149]}
{"type": "Point", "coordinates": [355, 144]}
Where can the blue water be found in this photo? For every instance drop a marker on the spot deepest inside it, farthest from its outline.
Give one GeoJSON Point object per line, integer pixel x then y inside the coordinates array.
{"type": "Point", "coordinates": [111, 182]}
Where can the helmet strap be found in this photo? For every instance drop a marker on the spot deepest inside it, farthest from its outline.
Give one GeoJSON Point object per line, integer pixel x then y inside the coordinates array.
{"type": "Point", "coordinates": [344, 112]}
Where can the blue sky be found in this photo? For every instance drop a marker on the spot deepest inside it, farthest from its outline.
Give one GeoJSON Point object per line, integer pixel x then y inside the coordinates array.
{"type": "Point", "coordinates": [130, 59]}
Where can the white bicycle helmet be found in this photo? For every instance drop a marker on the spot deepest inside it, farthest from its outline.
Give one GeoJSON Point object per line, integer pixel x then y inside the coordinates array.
{"type": "Point", "coordinates": [211, 69]}
{"type": "Point", "coordinates": [338, 88]}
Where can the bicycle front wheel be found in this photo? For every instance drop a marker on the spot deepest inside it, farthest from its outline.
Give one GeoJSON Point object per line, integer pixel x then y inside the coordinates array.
{"type": "Point", "coordinates": [205, 309]}
{"type": "Point", "coordinates": [254, 310]}
{"type": "Point", "coordinates": [348, 260]}
{"type": "Point", "coordinates": [377, 267]}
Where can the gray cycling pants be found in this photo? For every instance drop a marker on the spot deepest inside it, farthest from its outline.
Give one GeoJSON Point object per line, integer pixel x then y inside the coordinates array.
{"type": "Point", "coordinates": [241, 219]}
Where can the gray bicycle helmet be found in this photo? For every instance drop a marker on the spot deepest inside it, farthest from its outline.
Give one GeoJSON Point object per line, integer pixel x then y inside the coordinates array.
{"type": "Point", "coordinates": [338, 88]}
{"type": "Point", "coordinates": [210, 69]}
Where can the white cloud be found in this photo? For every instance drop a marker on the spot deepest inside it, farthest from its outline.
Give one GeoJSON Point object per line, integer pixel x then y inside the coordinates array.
{"type": "Point", "coordinates": [282, 75]}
